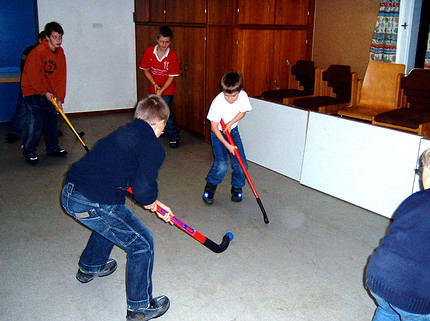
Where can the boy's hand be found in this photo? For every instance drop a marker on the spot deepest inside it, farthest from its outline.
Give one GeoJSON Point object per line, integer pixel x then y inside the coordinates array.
{"type": "Point", "coordinates": [166, 217]}
{"type": "Point", "coordinates": [227, 128]}
{"type": "Point", "coordinates": [231, 148]}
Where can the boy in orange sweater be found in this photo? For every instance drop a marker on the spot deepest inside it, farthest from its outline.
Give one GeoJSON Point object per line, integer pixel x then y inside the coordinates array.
{"type": "Point", "coordinates": [44, 78]}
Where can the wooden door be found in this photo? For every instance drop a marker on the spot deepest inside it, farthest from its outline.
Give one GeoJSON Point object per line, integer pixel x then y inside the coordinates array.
{"type": "Point", "coordinates": [186, 11]}
{"type": "Point", "coordinates": [256, 12]}
{"type": "Point", "coordinates": [145, 37]}
{"type": "Point", "coordinates": [292, 12]}
{"type": "Point", "coordinates": [255, 58]}
{"type": "Point", "coordinates": [189, 105]}
{"type": "Point", "coordinates": [221, 12]}
{"type": "Point", "coordinates": [157, 11]}
{"type": "Point", "coordinates": [290, 46]}
{"type": "Point", "coordinates": [141, 10]}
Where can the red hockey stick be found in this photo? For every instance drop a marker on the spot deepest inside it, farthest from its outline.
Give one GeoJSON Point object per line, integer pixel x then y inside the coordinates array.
{"type": "Point", "coordinates": [217, 248]}
{"type": "Point", "coordinates": [242, 165]}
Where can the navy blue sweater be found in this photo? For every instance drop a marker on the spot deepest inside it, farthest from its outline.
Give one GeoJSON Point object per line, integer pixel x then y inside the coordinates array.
{"type": "Point", "coordinates": [399, 269]}
{"type": "Point", "coordinates": [130, 156]}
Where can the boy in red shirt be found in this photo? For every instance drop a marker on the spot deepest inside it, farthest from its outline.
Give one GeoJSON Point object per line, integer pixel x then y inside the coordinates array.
{"type": "Point", "coordinates": [44, 78]}
{"type": "Point", "coordinates": [161, 66]}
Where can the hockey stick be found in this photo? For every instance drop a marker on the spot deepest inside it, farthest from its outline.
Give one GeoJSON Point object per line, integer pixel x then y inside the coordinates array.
{"type": "Point", "coordinates": [242, 165]}
{"type": "Point", "coordinates": [69, 123]}
{"type": "Point", "coordinates": [211, 245]}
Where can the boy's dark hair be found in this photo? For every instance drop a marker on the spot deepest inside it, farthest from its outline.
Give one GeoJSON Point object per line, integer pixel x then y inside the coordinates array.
{"type": "Point", "coordinates": [231, 82]}
{"type": "Point", "coordinates": [152, 109]}
{"type": "Point", "coordinates": [165, 31]}
{"type": "Point", "coordinates": [52, 26]}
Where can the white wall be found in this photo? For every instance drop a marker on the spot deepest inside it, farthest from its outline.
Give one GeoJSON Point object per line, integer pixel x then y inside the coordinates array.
{"type": "Point", "coordinates": [99, 43]}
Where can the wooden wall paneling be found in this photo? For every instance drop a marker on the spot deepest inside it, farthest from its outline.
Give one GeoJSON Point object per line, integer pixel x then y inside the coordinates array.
{"type": "Point", "coordinates": [256, 12]}
{"type": "Point", "coordinates": [256, 59]}
{"type": "Point", "coordinates": [189, 104]}
{"type": "Point", "coordinates": [221, 12]}
{"type": "Point", "coordinates": [292, 12]}
{"type": "Point", "coordinates": [186, 11]}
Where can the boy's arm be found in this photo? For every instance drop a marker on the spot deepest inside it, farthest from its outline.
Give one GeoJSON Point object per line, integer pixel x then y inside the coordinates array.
{"type": "Point", "coordinates": [236, 118]}
{"type": "Point", "coordinates": [217, 132]}
{"type": "Point", "coordinates": [148, 76]}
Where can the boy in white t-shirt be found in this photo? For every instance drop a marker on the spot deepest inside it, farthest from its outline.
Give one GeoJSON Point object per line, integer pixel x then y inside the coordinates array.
{"type": "Point", "coordinates": [230, 105]}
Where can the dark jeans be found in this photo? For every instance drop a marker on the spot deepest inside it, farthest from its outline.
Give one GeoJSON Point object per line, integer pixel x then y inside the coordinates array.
{"type": "Point", "coordinates": [41, 118]}
{"type": "Point", "coordinates": [114, 225]}
{"type": "Point", "coordinates": [19, 118]}
{"type": "Point", "coordinates": [171, 128]}
{"type": "Point", "coordinates": [221, 162]}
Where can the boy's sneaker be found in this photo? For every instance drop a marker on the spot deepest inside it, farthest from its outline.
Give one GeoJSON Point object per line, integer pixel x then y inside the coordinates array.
{"type": "Point", "coordinates": [59, 152]}
{"type": "Point", "coordinates": [236, 194]}
{"type": "Point", "coordinates": [157, 307]}
{"type": "Point", "coordinates": [84, 277]}
{"type": "Point", "coordinates": [208, 194]}
{"type": "Point", "coordinates": [32, 158]}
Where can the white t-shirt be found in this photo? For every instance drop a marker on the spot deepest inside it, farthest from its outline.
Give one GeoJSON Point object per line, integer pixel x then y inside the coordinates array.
{"type": "Point", "coordinates": [221, 108]}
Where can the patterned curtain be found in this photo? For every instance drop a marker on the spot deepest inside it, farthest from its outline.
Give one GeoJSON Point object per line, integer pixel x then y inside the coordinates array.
{"type": "Point", "coordinates": [384, 42]}
{"type": "Point", "coordinates": [427, 59]}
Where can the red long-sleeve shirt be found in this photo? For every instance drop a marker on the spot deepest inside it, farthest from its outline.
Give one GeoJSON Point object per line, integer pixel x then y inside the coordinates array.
{"type": "Point", "coordinates": [45, 71]}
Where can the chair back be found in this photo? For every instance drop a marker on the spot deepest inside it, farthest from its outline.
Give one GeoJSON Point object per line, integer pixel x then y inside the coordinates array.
{"type": "Point", "coordinates": [381, 85]}
{"type": "Point", "coordinates": [416, 88]}
{"type": "Point", "coordinates": [304, 72]}
{"type": "Point", "coordinates": [339, 79]}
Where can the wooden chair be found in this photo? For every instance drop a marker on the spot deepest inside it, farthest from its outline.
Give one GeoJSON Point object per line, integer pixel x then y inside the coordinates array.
{"type": "Point", "coordinates": [378, 92]}
{"type": "Point", "coordinates": [337, 89]}
{"type": "Point", "coordinates": [301, 82]}
{"type": "Point", "coordinates": [414, 114]}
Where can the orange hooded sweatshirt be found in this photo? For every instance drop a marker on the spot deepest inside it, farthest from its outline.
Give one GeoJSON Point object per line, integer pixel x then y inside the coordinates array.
{"type": "Point", "coordinates": [45, 71]}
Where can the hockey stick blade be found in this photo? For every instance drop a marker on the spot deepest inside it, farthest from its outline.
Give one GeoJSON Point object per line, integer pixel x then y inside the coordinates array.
{"type": "Point", "coordinates": [211, 245]}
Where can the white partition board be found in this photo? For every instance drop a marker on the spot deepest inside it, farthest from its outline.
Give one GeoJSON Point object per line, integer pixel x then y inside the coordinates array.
{"type": "Point", "coordinates": [274, 136]}
{"type": "Point", "coordinates": [369, 166]}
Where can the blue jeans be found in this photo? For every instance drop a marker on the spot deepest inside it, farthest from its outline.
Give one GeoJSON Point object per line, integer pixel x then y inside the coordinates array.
{"type": "Point", "coordinates": [41, 118]}
{"type": "Point", "coordinates": [19, 119]}
{"type": "Point", "coordinates": [221, 161]}
{"type": "Point", "coordinates": [171, 128]}
{"type": "Point", "coordinates": [387, 312]}
{"type": "Point", "coordinates": [114, 225]}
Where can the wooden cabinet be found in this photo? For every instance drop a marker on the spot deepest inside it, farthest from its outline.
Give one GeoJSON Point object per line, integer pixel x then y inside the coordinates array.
{"type": "Point", "coordinates": [264, 56]}
{"type": "Point", "coordinates": [170, 11]}
{"type": "Point", "coordinates": [189, 11]}
{"type": "Point", "coordinates": [189, 104]}
{"type": "Point", "coordinates": [273, 12]}
{"type": "Point", "coordinates": [293, 12]}
{"type": "Point", "coordinates": [211, 37]}
{"type": "Point", "coordinates": [256, 12]}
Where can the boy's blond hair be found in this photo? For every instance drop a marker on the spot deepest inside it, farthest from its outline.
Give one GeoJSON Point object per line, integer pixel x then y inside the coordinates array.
{"type": "Point", "coordinates": [152, 109]}
{"type": "Point", "coordinates": [231, 82]}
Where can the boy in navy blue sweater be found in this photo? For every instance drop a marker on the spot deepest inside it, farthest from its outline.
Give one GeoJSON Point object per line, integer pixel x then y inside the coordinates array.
{"type": "Point", "coordinates": [398, 274]}
{"type": "Point", "coordinates": [94, 194]}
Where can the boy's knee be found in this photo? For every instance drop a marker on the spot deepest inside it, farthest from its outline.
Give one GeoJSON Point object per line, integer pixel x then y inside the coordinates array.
{"type": "Point", "coordinates": [221, 168]}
